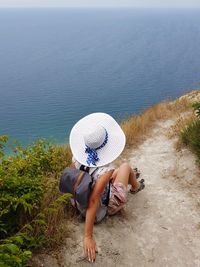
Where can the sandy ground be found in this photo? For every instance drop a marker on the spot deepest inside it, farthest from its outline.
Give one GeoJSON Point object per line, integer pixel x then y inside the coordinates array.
{"type": "Point", "coordinates": [160, 226]}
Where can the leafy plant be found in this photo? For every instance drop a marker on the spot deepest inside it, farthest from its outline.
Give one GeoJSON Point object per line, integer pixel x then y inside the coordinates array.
{"type": "Point", "coordinates": [196, 107]}
{"type": "Point", "coordinates": [30, 203]}
{"type": "Point", "coordinates": [190, 135]}
{"type": "Point", "coordinates": [12, 252]}
{"type": "Point", "coordinates": [3, 140]}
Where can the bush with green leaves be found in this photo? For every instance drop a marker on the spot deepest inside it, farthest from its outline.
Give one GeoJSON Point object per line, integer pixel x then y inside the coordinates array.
{"type": "Point", "coordinates": [196, 107]}
{"type": "Point", "coordinates": [30, 203]}
{"type": "Point", "coordinates": [190, 135]}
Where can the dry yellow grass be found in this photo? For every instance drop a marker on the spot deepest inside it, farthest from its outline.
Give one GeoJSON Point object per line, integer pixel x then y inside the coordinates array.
{"type": "Point", "coordinates": [180, 124]}
{"type": "Point", "coordinates": [137, 127]}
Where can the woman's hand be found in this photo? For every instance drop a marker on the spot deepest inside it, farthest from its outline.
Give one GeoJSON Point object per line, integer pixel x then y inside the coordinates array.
{"type": "Point", "coordinates": [89, 248]}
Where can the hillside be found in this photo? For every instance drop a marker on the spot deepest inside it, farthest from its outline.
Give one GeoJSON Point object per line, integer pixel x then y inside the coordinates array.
{"type": "Point", "coordinates": [159, 226]}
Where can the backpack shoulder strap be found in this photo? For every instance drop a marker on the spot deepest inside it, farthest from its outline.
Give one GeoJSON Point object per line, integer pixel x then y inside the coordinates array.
{"type": "Point", "coordinates": [94, 171]}
{"type": "Point", "coordinates": [87, 169]}
{"type": "Point", "coordinates": [84, 168]}
{"type": "Point", "coordinates": [79, 178]}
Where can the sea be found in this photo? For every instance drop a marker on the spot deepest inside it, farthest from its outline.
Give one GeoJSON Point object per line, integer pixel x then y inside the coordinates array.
{"type": "Point", "coordinates": [60, 64]}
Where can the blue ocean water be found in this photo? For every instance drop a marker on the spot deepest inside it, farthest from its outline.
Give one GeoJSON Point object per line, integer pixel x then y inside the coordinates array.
{"type": "Point", "coordinates": [58, 65]}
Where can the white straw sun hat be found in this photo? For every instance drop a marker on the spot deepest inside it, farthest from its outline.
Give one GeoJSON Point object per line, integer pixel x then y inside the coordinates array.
{"type": "Point", "coordinates": [96, 140]}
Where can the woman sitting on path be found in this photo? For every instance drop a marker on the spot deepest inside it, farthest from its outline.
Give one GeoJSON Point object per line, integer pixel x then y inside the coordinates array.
{"type": "Point", "coordinates": [96, 141]}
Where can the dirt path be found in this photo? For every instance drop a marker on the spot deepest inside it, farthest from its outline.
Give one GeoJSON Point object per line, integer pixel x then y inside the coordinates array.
{"type": "Point", "coordinates": [160, 226]}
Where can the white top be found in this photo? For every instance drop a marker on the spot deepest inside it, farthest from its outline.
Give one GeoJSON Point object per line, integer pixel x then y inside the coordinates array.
{"type": "Point", "coordinates": [96, 173]}
{"type": "Point", "coordinates": [99, 170]}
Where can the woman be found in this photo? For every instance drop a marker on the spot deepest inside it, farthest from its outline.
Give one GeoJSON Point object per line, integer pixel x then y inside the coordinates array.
{"type": "Point", "coordinates": [96, 141]}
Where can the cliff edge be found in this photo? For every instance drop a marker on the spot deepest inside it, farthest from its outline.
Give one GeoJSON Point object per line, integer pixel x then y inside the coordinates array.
{"type": "Point", "coordinates": [160, 226]}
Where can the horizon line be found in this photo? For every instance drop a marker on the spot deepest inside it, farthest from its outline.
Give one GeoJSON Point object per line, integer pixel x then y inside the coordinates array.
{"type": "Point", "coordinates": [105, 7]}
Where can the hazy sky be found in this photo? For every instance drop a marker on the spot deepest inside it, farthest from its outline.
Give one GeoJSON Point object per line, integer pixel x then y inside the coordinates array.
{"type": "Point", "coordinates": [100, 3]}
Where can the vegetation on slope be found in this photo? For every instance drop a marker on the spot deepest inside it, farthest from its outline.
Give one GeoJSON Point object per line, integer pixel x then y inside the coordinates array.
{"type": "Point", "coordinates": [32, 210]}
{"type": "Point", "coordinates": [190, 134]}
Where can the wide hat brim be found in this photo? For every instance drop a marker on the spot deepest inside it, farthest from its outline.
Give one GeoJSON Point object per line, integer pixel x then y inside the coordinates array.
{"type": "Point", "coordinates": [112, 149]}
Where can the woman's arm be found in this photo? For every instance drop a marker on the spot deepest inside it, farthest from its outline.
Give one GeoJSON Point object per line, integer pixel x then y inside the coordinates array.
{"type": "Point", "coordinates": [89, 243]}
{"type": "Point", "coordinates": [72, 165]}
{"type": "Point", "coordinates": [73, 162]}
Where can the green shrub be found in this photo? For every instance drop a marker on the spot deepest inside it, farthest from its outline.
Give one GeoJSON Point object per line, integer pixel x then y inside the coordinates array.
{"type": "Point", "coordinates": [30, 203]}
{"type": "Point", "coordinates": [191, 135]}
{"type": "Point", "coordinates": [12, 253]}
{"type": "Point", "coordinates": [196, 107]}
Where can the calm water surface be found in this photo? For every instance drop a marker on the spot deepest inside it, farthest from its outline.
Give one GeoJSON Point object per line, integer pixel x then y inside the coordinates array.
{"type": "Point", "coordinates": [57, 65]}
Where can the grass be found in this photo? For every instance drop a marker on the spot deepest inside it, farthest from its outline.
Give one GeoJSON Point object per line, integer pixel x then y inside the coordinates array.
{"type": "Point", "coordinates": [190, 136]}
{"type": "Point", "coordinates": [187, 127]}
{"type": "Point", "coordinates": [137, 127]}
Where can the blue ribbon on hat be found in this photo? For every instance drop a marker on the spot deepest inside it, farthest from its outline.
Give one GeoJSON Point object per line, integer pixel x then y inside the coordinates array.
{"type": "Point", "coordinates": [92, 152]}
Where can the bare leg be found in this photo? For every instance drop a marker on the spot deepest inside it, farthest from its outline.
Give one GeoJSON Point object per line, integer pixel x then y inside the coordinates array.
{"type": "Point", "coordinates": [126, 175]}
